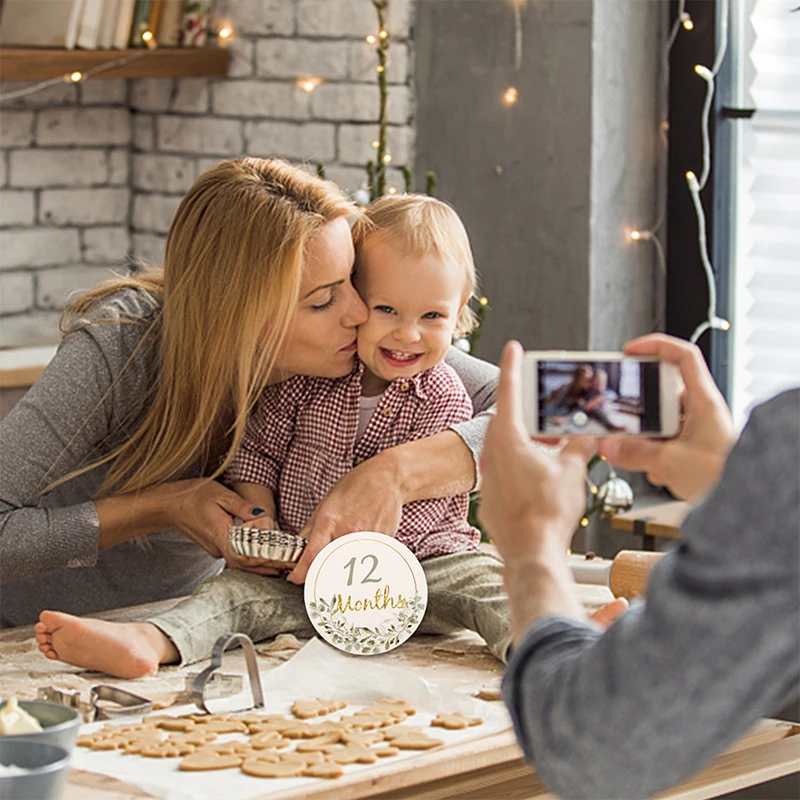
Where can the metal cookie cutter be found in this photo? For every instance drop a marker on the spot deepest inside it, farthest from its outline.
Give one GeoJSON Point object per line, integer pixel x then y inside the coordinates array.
{"type": "Point", "coordinates": [202, 687]}
{"type": "Point", "coordinates": [105, 702]}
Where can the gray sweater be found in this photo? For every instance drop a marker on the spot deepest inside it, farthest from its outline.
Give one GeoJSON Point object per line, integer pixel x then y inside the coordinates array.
{"type": "Point", "coordinates": [49, 554]}
{"type": "Point", "coordinates": [714, 646]}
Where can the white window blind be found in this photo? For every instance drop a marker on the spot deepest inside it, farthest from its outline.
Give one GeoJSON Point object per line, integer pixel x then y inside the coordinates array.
{"type": "Point", "coordinates": [766, 274]}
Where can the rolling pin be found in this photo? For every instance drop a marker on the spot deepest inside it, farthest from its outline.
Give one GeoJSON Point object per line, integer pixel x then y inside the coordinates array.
{"type": "Point", "coordinates": [626, 575]}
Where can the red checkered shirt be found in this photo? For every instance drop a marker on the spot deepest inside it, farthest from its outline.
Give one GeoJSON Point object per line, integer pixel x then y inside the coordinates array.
{"type": "Point", "coordinates": [301, 439]}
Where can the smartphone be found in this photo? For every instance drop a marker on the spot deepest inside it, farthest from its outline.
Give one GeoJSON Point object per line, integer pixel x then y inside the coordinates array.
{"type": "Point", "coordinates": [599, 394]}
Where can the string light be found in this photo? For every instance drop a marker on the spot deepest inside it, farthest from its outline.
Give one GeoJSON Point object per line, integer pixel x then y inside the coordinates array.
{"type": "Point", "coordinates": [68, 77]}
{"type": "Point", "coordinates": [392, 190]}
{"type": "Point", "coordinates": [694, 184]}
{"type": "Point", "coordinates": [308, 84]}
{"type": "Point", "coordinates": [510, 96]}
{"type": "Point", "coordinates": [387, 158]}
{"type": "Point", "coordinates": [484, 301]}
{"type": "Point", "coordinates": [147, 36]}
{"type": "Point", "coordinates": [376, 144]}
{"type": "Point", "coordinates": [584, 522]}
{"type": "Point", "coordinates": [383, 34]}
{"type": "Point", "coordinates": [371, 39]}
{"type": "Point", "coordinates": [225, 33]}
{"type": "Point", "coordinates": [379, 68]}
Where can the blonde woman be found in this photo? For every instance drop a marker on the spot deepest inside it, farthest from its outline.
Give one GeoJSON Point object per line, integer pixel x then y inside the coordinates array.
{"type": "Point", "coordinates": [108, 467]}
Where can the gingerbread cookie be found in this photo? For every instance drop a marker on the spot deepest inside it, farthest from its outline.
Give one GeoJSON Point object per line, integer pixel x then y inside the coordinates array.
{"type": "Point", "coordinates": [364, 738]}
{"type": "Point", "coordinates": [454, 722]}
{"type": "Point", "coordinates": [416, 742]}
{"type": "Point", "coordinates": [318, 743]}
{"type": "Point", "coordinates": [267, 769]}
{"type": "Point", "coordinates": [198, 762]}
{"type": "Point", "coordinates": [396, 731]}
{"type": "Point", "coordinates": [268, 740]}
{"type": "Point", "coordinates": [303, 758]}
{"type": "Point", "coordinates": [324, 770]}
{"type": "Point", "coordinates": [166, 750]}
{"type": "Point", "coordinates": [352, 754]}
{"type": "Point", "coordinates": [305, 709]}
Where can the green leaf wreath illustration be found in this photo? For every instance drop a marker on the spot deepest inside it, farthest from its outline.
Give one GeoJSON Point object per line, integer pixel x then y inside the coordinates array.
{"type": "Point", "coordinates": [362, 639]}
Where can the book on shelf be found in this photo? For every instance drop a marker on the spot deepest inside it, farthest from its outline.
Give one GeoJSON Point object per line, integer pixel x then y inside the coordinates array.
{"type": "Point", "coordinates": [196, 20]}
{"type": "Point", "coordinates": [154, 17]}
{"type": "Point", "coordinates": [108, 23]}
{"type": "Point", "coordinates": [122, 29]}
{"type": "Point", "coordinates": [141, 22]}
{"type": "Point", "coordinates": [43, 23]}
{"type": "Point", "coordinates": [89, 30]}
{"type": "Point", "coordinates": [169, 24]}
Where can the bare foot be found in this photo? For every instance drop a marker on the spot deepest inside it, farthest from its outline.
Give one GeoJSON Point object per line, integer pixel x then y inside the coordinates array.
{"type": "Point", "coordinates": [122, 649]}
{"type": "Point", "coordinates": [610, 612]}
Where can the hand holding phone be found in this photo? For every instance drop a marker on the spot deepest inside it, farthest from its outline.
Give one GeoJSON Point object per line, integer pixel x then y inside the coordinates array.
{"type": "Point", "coordinates": [691, 463]}
{"type": "Point", "coordinates": [600, 394]}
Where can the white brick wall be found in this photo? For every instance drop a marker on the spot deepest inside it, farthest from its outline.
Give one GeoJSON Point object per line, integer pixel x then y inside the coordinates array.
{"type": "Point", "coordinates": [92, 174]}
{"type": "Point", "coordinates": [16, 292]}
{"type": "Point", "coordinates": [17, 208]}
{"type": "Point", "coordinates": [58, 167]}
{"type": "Point", "coordinates": [83, 206]}
{"type": "Point", "coordinates": [56, 287]}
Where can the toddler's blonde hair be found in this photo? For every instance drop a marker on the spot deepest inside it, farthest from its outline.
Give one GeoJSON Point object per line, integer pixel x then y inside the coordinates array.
{"type": "Point", "coordinates": [419, 225]}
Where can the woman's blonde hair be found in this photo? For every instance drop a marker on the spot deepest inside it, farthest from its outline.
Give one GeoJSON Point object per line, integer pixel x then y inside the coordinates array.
{"type": "Point", "coordinates": [228, 289]}
{"type": "Point", "coordinates": [420, 225]}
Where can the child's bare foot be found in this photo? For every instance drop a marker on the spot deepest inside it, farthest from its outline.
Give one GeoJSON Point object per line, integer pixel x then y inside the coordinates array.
{"type": "Point", "coordinates": [122, 649]}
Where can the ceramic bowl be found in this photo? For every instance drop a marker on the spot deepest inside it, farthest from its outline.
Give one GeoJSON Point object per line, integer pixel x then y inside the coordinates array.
{"type": "Point", "coordinates": [44, 769]}
{"type": "Point", "coordinates": [59, 724]}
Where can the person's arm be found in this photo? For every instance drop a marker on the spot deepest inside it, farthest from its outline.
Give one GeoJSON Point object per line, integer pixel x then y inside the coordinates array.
{"type": "Point", "coordinates": [480, 380]}
{"type": "Point", "coordinates": [712, 648]}
{"type": "Point", "coordinates": [680, 676]}
{"type": "Point", "coordinates": [61, 424]}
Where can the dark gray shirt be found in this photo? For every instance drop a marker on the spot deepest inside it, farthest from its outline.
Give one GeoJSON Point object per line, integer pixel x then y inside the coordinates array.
{"type": "Point", "coordinates": [49, 554]}
{"type": "Point", "coordinates": [714, 646]}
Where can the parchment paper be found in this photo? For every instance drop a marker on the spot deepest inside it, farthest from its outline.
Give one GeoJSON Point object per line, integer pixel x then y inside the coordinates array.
{"type": "Point", "coordinates": [317, 670]}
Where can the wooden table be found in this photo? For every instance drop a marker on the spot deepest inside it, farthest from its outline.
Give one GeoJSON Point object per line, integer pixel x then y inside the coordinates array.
{"type": "Point", "coordinates": [662, 520]}
{"type": "Point", "coordinates": [490, 767]}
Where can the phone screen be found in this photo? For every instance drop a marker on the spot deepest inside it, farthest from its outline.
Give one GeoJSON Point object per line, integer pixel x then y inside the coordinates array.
{"type": "Point", "coordinates": [599, 397]}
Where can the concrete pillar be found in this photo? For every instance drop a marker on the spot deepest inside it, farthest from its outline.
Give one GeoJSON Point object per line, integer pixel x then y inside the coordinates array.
{"type": "Point", "coordinates": [549, 187]}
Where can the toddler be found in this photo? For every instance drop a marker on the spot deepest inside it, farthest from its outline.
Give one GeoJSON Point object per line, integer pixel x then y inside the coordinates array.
{"type": "Point", "coordinates": [414, 270]}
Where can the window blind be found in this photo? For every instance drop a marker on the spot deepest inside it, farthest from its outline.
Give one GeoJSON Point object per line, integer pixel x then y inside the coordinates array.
{"type": "Point", "coordinates": [766, 273]}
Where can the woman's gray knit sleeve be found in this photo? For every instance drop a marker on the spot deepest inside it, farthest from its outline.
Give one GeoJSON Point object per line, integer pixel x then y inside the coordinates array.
{"type": "Point", "coordinates": [53, 430]}
{"type": "Point", "coordinates": [480, 379]}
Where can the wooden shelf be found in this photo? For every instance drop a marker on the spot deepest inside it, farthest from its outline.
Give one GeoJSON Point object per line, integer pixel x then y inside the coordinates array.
{"type": "Point", "coordinates": [38, 64]}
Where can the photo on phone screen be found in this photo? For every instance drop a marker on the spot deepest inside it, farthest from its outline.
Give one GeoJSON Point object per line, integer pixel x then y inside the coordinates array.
{"type": "Point", "coordinates": [598, 398]}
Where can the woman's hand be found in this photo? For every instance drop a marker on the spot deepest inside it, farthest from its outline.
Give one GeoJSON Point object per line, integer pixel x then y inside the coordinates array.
{"type": "Point", "coordinates": [203, 511]}
{"type": "Point", "coordinates": [368, 498]}
{"type": "Point", "coordinates": [691, 463]}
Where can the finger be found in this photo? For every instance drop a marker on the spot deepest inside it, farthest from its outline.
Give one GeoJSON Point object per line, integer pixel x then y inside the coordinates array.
{"type": "Point", "coordinates": [509, 387]}
{"type": "Point", "coordinates": [610, 612]}
{"type": "Point", "coordinates": [635, 455]}
{"type": "Point", "coordinates": [685, 355]}
{"type": "Point", "coordinates": [237, 506]}
{"type": "Point", "coordinates": [298, 574]}
{"type": "Point", "coordinates": [581, 447]}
